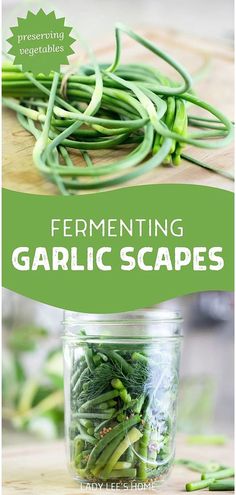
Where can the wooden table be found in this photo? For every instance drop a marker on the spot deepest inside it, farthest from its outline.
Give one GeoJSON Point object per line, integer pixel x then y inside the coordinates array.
{"type": "Point", "coordinates": [216, 87]}
{"type": "Point", "coordinates": [40, 469]}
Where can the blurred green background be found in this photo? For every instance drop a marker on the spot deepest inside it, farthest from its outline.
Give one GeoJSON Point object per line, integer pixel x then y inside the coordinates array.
{"type": "Point", "coordinates": [33, 405]}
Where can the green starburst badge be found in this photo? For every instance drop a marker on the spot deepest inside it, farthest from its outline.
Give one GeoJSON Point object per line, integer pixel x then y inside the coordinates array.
{"type": "Point", "coordinates": [41, 43]}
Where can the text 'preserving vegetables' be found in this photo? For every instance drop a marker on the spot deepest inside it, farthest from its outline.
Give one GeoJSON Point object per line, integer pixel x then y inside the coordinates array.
{"type": "Point", "coordinates": [133, 108]}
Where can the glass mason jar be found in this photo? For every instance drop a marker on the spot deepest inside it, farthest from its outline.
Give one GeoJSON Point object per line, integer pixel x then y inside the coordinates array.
{"type": "Point", "coordinates": [121, 386]}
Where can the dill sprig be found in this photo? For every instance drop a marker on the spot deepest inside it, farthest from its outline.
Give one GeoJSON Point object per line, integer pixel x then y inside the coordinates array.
{"type": "Point", "coordinates": [99, 380]}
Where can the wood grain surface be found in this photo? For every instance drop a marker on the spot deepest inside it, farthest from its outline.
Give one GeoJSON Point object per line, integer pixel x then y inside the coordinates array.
{"type": "Point", "coordinates": [216, 87]}
{"type": "Point", "coordinates": [41, 469]}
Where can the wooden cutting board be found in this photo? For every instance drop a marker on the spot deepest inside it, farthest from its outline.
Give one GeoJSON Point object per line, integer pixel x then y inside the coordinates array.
{"type": "Point", "coordinates": [216, 87]}
{"type": "Point", "coordinates": [41, 469]}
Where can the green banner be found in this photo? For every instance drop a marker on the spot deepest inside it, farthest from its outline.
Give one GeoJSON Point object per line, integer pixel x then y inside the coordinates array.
{"type": "Point", "coordinates": [118, 250]}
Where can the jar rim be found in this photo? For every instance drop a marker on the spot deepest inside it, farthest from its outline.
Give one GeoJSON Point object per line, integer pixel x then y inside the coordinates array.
{"type": "Point", "coordinates": [141, 325]}
{"type": "Point", "coordinates": [128, 317]}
